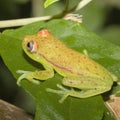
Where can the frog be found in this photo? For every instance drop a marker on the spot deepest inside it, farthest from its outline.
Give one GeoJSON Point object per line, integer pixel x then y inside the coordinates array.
{"type": "Point", "coordinates": [82, 76]}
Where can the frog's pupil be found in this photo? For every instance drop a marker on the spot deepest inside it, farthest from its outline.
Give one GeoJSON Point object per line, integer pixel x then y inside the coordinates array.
{"type": "Point", "coordinates": [30, 45]}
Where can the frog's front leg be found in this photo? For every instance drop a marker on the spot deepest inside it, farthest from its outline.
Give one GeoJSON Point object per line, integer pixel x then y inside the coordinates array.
{"type": "Point", "coordinates": [35, 76]}
{"type": "Point", "coordinates": [86, 87]}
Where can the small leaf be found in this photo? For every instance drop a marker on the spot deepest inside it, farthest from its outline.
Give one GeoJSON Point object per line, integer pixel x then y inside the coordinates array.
{"type": "Point", "coordinates": [49, 2]}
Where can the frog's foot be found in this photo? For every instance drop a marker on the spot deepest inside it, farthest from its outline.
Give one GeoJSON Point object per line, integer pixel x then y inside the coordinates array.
{"type": "Point", "coordinates": [64, 91]}
{"type": "Point", "coordinates": [26, 75]}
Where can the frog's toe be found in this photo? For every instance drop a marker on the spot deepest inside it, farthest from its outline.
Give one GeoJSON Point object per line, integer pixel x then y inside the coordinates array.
{"type": "Point", "coordinates": [21, 71]}
{"type": "Point", "coordinates": [63, 91]}
{"type": "Point", "coordinates": [26, 75]}
{"type": "Point", "coordinates": [21, 78]}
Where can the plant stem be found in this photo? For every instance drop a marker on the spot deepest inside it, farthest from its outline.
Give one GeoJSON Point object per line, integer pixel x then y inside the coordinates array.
{"type": "Point", "coordinates": [67, 5]}
{"type": "Point", "coordinates": [20, 22]}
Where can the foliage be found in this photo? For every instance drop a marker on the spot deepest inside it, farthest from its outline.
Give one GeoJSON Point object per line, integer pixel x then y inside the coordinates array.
{"type": "Point", "coordinates": [49, 2]}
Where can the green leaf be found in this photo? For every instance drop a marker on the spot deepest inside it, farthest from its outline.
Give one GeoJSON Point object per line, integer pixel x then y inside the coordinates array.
{"type": "Point", "coordinates": [49, 2]}
{"type": "Point", "coordinates": [108, 115]}
{"type": "Point", "coordinates": [75, 36]}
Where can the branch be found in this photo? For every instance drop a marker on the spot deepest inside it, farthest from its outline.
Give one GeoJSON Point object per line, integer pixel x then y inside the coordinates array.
{"type": "Point", "coordinates": [11, 112]}
{"type": "Point", "coordinates": [20, 22]}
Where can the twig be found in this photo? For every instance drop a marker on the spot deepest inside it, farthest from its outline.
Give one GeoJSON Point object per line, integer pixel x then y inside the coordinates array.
{"type": "Point", "coordinates": [20, 22]}
{"type": "Point", "coordinates": [11, 112]}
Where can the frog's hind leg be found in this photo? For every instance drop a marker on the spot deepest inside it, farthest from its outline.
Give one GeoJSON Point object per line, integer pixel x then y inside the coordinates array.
{"type": "Point", "coordinates": [81, 87]}
{"type": "Point", "coordinates": [63, 91]}
{"type": "Point", "coordinates": [73, 92]}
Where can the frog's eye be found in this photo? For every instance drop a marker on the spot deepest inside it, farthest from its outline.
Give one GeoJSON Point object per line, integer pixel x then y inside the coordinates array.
{"type": "Point", "coordinates": [32, 46]}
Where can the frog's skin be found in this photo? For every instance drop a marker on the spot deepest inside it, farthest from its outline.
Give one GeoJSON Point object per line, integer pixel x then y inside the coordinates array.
{"type": "Point", "coordinates": [77, 69]}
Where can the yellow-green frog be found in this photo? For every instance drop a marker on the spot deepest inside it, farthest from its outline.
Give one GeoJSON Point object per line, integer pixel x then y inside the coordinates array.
{"type": "Point", "coordinates": [82, 76]}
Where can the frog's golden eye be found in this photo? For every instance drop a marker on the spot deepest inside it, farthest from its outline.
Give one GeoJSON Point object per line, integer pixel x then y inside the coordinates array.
{"type": "Point", "coordinates": [32, 46]}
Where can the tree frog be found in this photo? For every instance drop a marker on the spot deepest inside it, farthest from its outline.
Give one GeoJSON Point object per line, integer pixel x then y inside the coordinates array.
{"type": "Point", "coordinates": [82, 76]}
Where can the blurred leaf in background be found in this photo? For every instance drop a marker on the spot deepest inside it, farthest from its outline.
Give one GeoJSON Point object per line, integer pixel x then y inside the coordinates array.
{"type": "Point", "coordinates": [103, 18]}
{"type": "Point", "coordinates": [11, 9]}
{"type": "Point", "coordinates": [112, 34]}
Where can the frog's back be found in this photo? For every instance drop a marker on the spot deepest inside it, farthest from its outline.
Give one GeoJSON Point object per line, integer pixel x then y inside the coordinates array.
{"type": "Point", "coordinates": [68, 60]}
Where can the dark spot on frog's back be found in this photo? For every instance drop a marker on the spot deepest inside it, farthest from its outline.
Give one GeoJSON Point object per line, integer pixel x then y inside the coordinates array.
{"type": "Point", "coordinates": [84, 57]}
{"type": "Point", "coordinates": [71, 53]}
{"type": "Point", "coordinates": [104, 77]}
{"type": "Point", "coordinates": [78, 60]}
{"type": "Point", "coordinates": [59, 55]}
{"type": "Point", "coordinates": [56, 46]}
{"type": "Point", "coordinates": [87, 68]}
{"type": "Point", "coordinates": [79, 73]}
{"type": "Point", "coordinates": [42, 39]}
{"type": "Point", "coordinates": [97, 73]}
{"type": "Point", "coordinates": [95, 66]}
